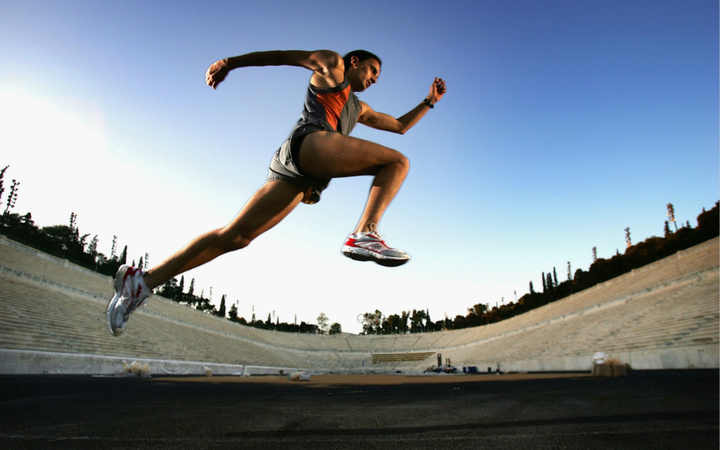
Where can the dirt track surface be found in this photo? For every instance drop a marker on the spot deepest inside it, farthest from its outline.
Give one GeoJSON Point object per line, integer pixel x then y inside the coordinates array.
{"type": "Point", "coordinates": [664, 409]}
{"type": "Point", "coordinates": [376, 380]}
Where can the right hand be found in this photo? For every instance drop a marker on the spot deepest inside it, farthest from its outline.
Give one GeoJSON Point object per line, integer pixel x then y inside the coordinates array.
{"type": "Point", "coordinates": [437, 90]}
{"type": "Point", "coordinates": [216, 73]}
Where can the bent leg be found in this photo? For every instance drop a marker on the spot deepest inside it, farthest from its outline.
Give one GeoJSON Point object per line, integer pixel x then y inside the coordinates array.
{"type": "Point", "coordinates": [333, 155]}
{"type": "Point", "coordinates": [265, 209]}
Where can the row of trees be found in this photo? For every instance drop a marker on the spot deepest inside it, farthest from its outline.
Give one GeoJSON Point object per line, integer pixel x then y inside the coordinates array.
{"type": "Point", "coordinates": [63, 241]}
{"type": "Point", "coordinates": [415, 321]}
{"type": "Point", "coordinates": [175, 291]}
{"type": "Point", "coordinates": [635, 256]}
{"type": "Point", "coordinates": [322, 326]}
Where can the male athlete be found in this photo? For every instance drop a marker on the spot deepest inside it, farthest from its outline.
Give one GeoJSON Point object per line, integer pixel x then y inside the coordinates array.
{"type": "Point", "coordinates": [319, 148]}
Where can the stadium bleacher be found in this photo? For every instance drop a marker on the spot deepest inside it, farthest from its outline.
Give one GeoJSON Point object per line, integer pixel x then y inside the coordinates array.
{"type": "Point", "coordinates": [661, 316]}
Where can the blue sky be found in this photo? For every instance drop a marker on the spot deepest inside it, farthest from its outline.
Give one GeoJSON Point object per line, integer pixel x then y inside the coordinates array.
{"type": "Point", "coordinates": [564, 123]}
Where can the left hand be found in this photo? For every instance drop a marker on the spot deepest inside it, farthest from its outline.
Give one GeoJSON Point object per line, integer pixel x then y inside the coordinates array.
{"type": "Point", "coordinates": [216, 73]}
{"type": "Point", "coordinates": [437, 90]}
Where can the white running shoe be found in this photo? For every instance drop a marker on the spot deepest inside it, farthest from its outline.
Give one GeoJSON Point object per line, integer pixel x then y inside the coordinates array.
{"type": "Point", "coordinates": [369, 246]}
{"type": "Point", "coordinates": [130, 293]}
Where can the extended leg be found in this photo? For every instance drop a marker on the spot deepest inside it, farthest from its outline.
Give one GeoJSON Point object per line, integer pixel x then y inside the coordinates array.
{"type": "Point", "coordinates": [268, 206]}
{"type": "Point", "coordinates": [265, 209]}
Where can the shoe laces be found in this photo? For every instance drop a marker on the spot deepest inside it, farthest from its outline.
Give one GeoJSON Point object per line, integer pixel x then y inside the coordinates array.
{"type": "Point", "coordinates": [375, 234]}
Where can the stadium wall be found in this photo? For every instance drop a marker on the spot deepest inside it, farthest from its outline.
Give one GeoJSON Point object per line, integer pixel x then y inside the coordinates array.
{"type": "Point", "coordinates": [661, 316]}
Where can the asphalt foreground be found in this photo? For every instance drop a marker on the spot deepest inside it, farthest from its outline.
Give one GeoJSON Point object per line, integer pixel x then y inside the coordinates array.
{"type": "Point", "coordinates": [649, 409]}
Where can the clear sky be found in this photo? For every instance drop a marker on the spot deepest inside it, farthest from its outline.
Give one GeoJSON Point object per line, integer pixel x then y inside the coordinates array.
{"type": "Point", "coordinates": [564, 123]}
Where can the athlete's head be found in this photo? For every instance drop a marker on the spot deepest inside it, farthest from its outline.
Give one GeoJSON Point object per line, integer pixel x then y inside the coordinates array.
{"type": "Point", "coordinates": [361, 55]}
{"type": "Point", "coordinates": [362, 69]}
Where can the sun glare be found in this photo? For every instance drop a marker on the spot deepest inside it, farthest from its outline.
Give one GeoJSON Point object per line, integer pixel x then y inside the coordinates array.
{"type": "Point", "coordinates": [52, 146]}
{"type": "Point", "coordinates": [40, 132]}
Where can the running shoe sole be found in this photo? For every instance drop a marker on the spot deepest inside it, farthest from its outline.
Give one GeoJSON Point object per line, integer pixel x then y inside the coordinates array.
{"type": "Point", "coordinates": [360, 254]}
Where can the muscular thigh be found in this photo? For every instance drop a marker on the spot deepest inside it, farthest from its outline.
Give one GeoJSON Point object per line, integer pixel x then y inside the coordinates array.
{"type": "Point", "coordinates": [265, 209]}
{"type": "Point", "coordinates": [332, 155]}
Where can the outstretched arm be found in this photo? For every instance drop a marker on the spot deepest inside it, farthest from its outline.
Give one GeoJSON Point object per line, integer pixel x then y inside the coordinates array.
{"type": "Point", "coordinates": [328, 66]}
{"type": "Point", "coordinates": [400, 125]}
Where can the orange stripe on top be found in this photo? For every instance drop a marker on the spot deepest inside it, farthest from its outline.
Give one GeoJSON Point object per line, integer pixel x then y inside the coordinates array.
{"type": "Point", "coordinates": [334, 102]}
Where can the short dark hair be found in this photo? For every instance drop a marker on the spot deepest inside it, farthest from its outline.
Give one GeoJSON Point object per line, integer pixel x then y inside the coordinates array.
{"type": "Point", "coordinates": [362, 56]}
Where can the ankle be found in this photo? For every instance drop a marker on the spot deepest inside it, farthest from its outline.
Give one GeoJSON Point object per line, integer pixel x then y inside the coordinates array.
{"type": "Point", "coordinates": [366, 228]}
{"type": "Point", "coordinates": [147, 280]}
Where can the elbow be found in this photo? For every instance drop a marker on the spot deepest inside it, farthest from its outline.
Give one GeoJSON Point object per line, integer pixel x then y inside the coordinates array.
{"type": "Point", "coordinates": [399, 128]}
{"type": "Point", "coordinates": [402, 127]}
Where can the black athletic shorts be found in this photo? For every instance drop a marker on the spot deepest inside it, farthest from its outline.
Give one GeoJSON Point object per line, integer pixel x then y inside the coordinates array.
{"type": "Point", "coordinates": [284, 165]}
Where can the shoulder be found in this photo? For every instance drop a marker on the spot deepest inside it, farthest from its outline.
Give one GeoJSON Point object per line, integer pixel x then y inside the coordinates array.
{"type": "Point", "coordinates": [328, 68]}
{"type": "Point", "coordinates": [329, 59]}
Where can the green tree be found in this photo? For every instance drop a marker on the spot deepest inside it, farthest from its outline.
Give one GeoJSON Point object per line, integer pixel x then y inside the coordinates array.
{"type": "Point", "coordinates": [476, 315]}
{"type": "Point", "coordinates": [404, 317]}
{"type": "Point", "coordinates": [417, 321]}
{"type": "Point", "coordinates": [12, 196]}
{"type": "Point", "coordinates": [221, 310]}
{"type": "Point", "coordinates": [22, 229]}
{"type": "Point", "coordinates": [459, 322]}
{"type": "Point", "coordinates": [2, 181]}
{"type": "Point", "coordinates": [480, 309]}
{"type": "Point", "coordinates": [707, 227]}
{"type": "Point", "coordinates": [92, 247]}
{"type": "Point", "coordinates": [569, 272]}
{"type": "Point", "coordinates": [66, 239]}
{"type": "Point", "coordinates": [394, 323]}
{"type": "Point", "coordinates": [233, 313]}
{"type": "Point", "coordinates": [73, 222]}
{"type": "Point", "coordinates": [114, 248]}
{"type": "Point", "coordinates": [628, 240]}
{"type": "Point", "coordinates": [372, 322]}
{"type": "Point", "coordinates": [171, 290]}
{"type": "Point", "coordinates": [671, 215]}
{"type": "Point", "coordinates": [323, 322]}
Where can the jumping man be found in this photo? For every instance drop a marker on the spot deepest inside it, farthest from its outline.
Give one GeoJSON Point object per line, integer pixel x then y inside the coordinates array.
{"type": "Point", "coordinates": [318, 149]}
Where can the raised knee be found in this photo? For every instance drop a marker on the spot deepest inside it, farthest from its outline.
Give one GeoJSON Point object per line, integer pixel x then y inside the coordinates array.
{"type": "Point", "coordinates": [403, 162]}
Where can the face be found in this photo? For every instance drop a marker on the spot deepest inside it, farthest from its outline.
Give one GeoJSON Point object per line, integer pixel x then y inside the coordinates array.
{"type": "Point", "coordinates": [363, 73]}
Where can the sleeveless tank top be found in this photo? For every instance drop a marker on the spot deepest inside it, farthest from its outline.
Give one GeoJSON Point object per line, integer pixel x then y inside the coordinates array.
{"type": "Point", "coordinates": [337, 110]}
{"type": "Point", "coordinates": [334, 109]}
